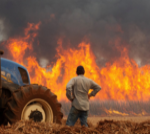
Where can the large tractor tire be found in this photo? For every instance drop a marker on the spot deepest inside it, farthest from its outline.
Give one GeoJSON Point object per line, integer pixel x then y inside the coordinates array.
{"type": "Point", "coordinates": [33, 102]}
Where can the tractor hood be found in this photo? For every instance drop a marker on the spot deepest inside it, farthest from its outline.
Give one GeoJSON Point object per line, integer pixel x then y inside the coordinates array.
{"type": "Point", "coordinates": [14, 72]}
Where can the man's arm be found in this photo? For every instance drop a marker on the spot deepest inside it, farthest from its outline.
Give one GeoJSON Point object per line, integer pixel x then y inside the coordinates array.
{"type": "Point", "coordinates": [69, 90]}
{"type": "Point", "coordinates": [96, 88]}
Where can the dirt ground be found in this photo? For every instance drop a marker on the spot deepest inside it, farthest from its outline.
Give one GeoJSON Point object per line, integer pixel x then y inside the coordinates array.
{"type": "Point", "coordinates": [136, 119]}
{"type": "Point", "coordinates": [95, 119]}
{"type": "Point", "coordinates": [97, 125]}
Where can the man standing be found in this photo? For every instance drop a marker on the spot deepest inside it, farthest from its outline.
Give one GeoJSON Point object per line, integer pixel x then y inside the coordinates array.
{"type": "Point", "coordinates": [77, 92]}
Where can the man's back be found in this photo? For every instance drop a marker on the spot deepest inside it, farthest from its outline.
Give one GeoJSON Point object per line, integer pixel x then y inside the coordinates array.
{"type": "Point", "coordinates": [80, 86]}
{"type": "Point", "coordinates": [77, 92]}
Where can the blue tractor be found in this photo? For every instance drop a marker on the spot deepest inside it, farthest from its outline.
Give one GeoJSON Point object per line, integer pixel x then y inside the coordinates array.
{"type": "Point", "coordinates": [20, 100]}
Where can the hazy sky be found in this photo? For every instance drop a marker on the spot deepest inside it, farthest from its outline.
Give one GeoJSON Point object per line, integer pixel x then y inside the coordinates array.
{"type": "Point", "coordinates": [102, 22]}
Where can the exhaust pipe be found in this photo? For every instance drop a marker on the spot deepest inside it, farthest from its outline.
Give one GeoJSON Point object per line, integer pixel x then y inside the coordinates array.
{"type": "Point", "coordinates": [1, 53]}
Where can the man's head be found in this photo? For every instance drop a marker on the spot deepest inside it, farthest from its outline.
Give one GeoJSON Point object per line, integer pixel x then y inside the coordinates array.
{"type": "Point", "coordinates": [80, 70]}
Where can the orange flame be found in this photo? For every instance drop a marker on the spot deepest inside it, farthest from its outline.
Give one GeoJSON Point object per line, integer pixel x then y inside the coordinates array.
{"type": "Point", "coordinates": [18, 46]}
{"type": "Point", "coordinates": [143, 113]}
{"type": "Point", "coordinates": [122, 80]}
{"type": "Point", "coordinates": [114, 112]}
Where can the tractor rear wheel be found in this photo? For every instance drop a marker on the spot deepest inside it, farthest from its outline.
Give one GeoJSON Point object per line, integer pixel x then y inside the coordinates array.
{"type": "Point", "coordinates": [33, 102]}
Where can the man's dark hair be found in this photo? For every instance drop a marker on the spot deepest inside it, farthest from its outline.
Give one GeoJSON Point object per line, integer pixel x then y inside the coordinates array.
{"type": "Point", "coordinates": [80, 70]}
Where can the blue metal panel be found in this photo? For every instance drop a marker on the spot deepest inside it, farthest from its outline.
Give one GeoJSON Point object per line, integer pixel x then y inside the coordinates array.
{"type": "Point", "coordinates": [10, 72]}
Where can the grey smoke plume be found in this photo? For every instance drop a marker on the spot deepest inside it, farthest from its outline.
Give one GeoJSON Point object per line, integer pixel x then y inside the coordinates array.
{"type": "Point", "coordinates": [102, 22]}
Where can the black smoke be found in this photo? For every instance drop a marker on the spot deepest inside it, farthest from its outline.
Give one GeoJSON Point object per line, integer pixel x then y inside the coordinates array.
{"type": "Point", "coordinates": [100, 22]}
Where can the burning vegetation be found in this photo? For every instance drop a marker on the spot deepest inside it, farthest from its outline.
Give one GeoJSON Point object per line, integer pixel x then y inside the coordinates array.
{"type": "Point", "coordinates": [123, 80]}
{"type": "Point", "coordinates": [120, 80]}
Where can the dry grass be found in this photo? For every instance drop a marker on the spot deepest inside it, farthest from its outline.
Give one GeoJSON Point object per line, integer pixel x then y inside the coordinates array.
{"type": "Point", "coordinates": [97, 125]}
{"type": "Point", "coordinates": [99, 108]}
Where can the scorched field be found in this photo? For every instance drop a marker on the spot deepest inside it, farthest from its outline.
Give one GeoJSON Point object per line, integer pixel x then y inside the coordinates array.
{"type": "Point", "coordinates": [97, 125]}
